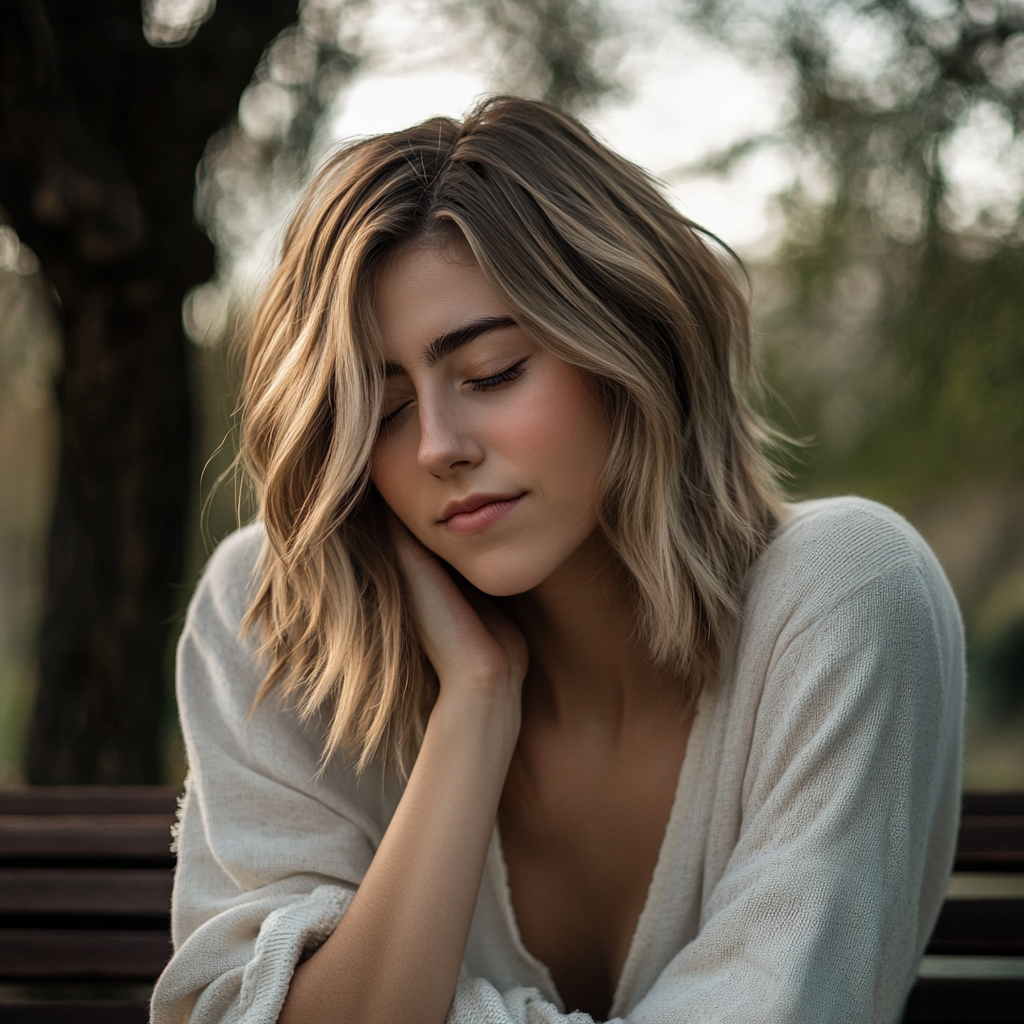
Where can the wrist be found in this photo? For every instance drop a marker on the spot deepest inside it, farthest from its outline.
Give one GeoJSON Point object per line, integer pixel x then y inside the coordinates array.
{"type": "Point", "coordinates": [493, 717]}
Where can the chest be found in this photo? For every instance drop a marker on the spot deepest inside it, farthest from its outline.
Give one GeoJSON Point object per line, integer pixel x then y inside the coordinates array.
{"type": "Point", "coordinates": [582, 825]}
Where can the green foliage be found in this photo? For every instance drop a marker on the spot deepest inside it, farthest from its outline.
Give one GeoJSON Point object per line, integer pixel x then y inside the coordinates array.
{"type": "Point", "coordinates": [961, 338]}
{"type": "Point", "coordinates": [897, 289]}
{"type": "Point", "coordinates": [943, 398]}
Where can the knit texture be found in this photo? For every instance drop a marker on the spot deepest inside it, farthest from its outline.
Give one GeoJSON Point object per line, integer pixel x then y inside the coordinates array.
{"type": "Point", "coordinates": [805, 857]}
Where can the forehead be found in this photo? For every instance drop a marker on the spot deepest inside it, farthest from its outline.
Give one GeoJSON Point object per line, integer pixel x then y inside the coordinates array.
{"type": "Point", "coordinates": [425, 293]}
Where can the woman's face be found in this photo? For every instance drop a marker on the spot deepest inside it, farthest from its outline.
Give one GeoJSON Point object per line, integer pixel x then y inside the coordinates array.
{"type": "Point", "coordinates": [491, 447]}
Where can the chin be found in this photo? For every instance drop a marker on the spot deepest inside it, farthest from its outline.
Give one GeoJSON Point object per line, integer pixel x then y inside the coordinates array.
{"type": "Point", "coordinates": [505, 573]}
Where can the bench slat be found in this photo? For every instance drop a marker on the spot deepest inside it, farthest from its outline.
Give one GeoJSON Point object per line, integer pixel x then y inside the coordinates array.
{"type": "Point", "coordinates": [998, 804]}
{"type": "Point", "coordinates": [84, 1012]}
{"type": "Point", "coordinates": [992, 843]}
{"type": "Point", "coordinates": [77, 836]}
{"type": "Point", "coordinates": [85, 891]}
{"type": "Point", "coordinates": [162, 799]}
{"type": "Point", "coordinates": [31, 954]}
{"type": "Point", "coordinates": [59, 825]}
{"type": "Point", "coordinates": [966, 1001]}
{"type": "Point", "coordinates": [932, 1001]}
{"type": "Point", "coordinates": [987, 927]}
{"type": "Point", "coordinates": [90, 800]}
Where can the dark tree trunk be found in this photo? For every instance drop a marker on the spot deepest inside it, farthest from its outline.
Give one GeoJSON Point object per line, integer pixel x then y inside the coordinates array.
{"type": "Point", "coordinates": [100, 135]}
{"type": "Point", "coordinates": [116, 540]}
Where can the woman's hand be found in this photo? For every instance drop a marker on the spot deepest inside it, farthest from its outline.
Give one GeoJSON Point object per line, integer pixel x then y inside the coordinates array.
{"type": "Point", "coordinates": [471, 644]}
{"type": "Point", "coordinates": [396, 955]}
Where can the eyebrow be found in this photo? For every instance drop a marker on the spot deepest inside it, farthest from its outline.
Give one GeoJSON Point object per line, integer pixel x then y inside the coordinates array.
{"type": "Point", "coordinates": [448, 343]}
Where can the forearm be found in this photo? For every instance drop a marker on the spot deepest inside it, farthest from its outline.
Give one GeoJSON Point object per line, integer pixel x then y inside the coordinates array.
{"type": "Point", "coordinates": [396, 954]}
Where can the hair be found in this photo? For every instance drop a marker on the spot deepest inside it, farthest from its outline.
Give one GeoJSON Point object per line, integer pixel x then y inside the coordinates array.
{"type": "Point", "coordinates": [596, 266]}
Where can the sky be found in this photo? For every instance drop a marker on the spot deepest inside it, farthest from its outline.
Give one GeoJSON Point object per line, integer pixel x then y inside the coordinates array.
{"type": "Point", "coordinates": [685, 99]}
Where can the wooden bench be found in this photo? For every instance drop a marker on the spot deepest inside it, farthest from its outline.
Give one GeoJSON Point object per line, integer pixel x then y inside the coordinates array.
{"type": "Point", "coordinates": [979, 937]}
{"type": "Point", "coordinates": [85, 881]}
{"type": "Point", "coordinates": [85, 890]}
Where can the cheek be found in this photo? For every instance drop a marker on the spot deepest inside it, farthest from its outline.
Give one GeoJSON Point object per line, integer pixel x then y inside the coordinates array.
{"type": "Point", "coordinates": [562, 434]}
{"type": "Point", "coordinates": [551, 437]}
{"type": "Point", "coordinates": [395, 476]}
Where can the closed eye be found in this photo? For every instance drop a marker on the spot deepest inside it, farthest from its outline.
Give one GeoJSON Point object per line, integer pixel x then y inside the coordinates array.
{"type": "Point", "coordinates": [486, 383]}
{"type": "Point", "coordinates": [385, 420]}
{"type": "Point", "coordinates": [478, 384]}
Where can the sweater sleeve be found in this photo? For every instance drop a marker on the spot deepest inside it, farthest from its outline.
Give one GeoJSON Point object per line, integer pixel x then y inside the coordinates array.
{"type": "Point", "coordinates": [851, 801]}
{"type": "Point", "coordinates": [850, 805]}
{"type": "Point", "coordinates": [266, 865]}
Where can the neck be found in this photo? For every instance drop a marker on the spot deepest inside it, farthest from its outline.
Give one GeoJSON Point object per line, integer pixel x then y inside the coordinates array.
{"type": "Point", "coordinates": [587, 662]}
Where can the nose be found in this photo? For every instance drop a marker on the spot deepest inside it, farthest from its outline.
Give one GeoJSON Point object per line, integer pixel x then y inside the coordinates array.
{"type": "Point", "coordinates": [447, 442]}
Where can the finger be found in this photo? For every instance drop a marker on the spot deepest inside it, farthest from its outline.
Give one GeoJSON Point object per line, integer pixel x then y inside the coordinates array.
{"type": "Point", "coordinates": [501, 626]}
{"type": "Point", "coordinates": [454, 621]}
{"type": "Point", "coordinates": [419, 565]}
{"type": "Point", "coordinates": [442, 612]}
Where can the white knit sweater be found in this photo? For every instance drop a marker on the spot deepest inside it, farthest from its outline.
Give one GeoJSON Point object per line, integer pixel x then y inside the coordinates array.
{"type": "Point", "coordinates": [806, 854]}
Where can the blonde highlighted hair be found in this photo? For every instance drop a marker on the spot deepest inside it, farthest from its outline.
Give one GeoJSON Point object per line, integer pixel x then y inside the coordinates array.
{"type": "Point", "coordinates": [592, 262]}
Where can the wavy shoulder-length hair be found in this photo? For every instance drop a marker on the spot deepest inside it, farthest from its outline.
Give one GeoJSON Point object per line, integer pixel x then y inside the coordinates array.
{"type": "Point", "coordinates": [594, 264]}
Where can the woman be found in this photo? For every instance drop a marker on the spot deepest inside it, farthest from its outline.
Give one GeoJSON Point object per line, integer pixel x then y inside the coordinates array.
{"type": "Point", "coordinates": [527, 696]}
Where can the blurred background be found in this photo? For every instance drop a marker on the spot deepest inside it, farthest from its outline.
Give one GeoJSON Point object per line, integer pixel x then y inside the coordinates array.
{"type": "Point", "coordinates": [864, 157]}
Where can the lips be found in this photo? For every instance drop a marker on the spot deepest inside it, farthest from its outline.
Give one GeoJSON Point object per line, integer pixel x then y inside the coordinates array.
{"type": "Point", "coordinates": [478, 511]}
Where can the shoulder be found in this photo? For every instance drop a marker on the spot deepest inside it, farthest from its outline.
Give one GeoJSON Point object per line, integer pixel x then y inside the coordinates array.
{"type": "Point", "coordinates": [851, 642]}
{"type": "Point", "coordinates": [835, 552]}
{"type": "Point", "coordinates": [849, 667]}
{"type": "Point", "coordinates": [225, 589]}
{"type": "Point", "coordinates": [835, 545]}
{"type": "Point", "coordinates": [847, 535]}
{"type": "Point", "coordinates": [220, 670]}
